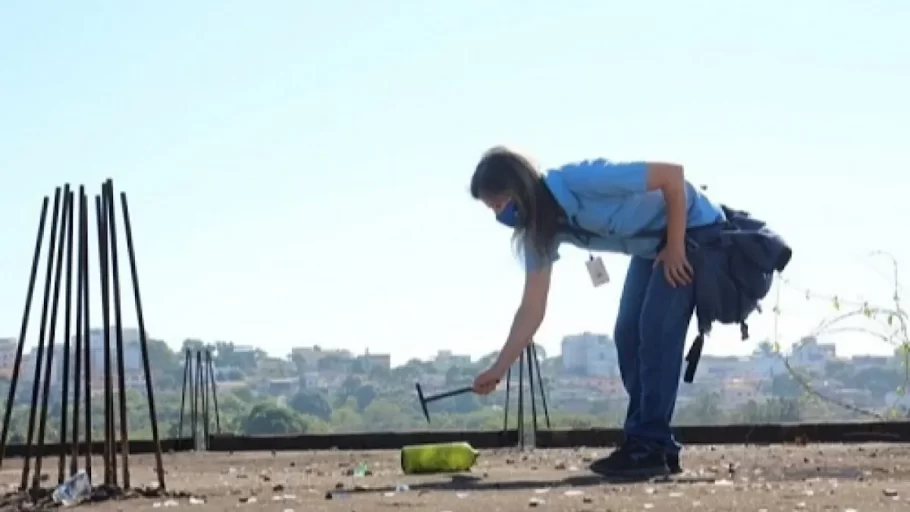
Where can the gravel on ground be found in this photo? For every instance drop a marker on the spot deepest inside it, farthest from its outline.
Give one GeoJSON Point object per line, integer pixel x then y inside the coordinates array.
{"type": "Point", "coordinates": [860, 478]}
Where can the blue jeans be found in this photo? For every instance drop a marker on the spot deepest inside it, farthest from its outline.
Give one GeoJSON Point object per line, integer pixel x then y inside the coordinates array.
{"type": "Point", "coordinates": [650, 338]}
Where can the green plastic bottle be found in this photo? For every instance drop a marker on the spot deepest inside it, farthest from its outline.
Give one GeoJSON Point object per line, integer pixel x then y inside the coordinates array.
{"type": "Point", "coordinates": [438, 458]}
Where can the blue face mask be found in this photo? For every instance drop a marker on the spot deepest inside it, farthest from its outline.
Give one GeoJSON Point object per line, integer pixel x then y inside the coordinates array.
{"type": "Point", "coordinates": [508, 216]}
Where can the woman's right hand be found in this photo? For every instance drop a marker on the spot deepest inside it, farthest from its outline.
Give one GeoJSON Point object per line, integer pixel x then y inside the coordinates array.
{"type": "Point", "coordinates": [486, 382]}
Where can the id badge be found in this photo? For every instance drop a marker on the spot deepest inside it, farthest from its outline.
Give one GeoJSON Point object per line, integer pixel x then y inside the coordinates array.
{"type": "Point", "coordinates": [597, 271]}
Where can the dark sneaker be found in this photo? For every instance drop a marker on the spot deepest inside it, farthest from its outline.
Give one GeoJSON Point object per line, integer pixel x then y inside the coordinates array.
{"type": "Point", "coordinates": [627, 461]}
{"type": "Point", "coordinates": [673, 464]}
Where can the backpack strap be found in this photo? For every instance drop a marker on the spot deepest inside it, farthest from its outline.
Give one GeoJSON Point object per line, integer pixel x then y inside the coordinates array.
{"type": "Point", "coordinates": [573, 227]}
{"type": "Point", "coordinates": [693, 356]}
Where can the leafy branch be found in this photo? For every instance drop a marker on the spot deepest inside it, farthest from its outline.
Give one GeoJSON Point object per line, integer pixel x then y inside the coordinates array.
{"type": "Point", "coordinates": [887, 323]}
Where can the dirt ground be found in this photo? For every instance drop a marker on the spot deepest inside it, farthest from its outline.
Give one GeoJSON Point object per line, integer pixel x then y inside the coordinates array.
{"type": "Point", "coordinates": [815, 477]}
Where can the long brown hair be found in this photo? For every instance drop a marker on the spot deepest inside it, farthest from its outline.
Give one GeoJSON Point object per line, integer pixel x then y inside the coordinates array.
{"type": "Point", "coordinates": [502, 171]}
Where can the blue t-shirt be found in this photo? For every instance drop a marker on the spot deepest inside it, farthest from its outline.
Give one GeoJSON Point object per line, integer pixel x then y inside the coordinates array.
{"type": "Point", "coordinates": [611, 201]}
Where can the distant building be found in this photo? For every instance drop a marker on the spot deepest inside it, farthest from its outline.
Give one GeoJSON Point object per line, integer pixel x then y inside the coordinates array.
{"type": "Point", "coordinates": [282, 386]}
{"type": "Point", "coordinates": [723, 367]}
{"type": "Point", "coordinates": [870, 361]}
{"type": "Point", "coordinates": [227, 373]}
{"type": "Point", "coordinates": [445, 359]}
{"type": "Point", "coordinates": [246, 356]}
{"type": "Point", "coordinates": [7, 356]}
{"type": "Point", "coordinates": [132, 358]}
{"type": "Point", "coordinates": [808, 353]}
{"type": "Point", "coordinates": [736, 391]}
{"type": "Point", "coordinates": [590, 354]}
{"type": "Point", "coordinates": [607, 387]}
{"type": "Point", "coordinates": [313, 380]}
{"type": "Point", "coordinates": [767, 365]}
{"type": "Point", "coordinates": [310, 356]}
{"type": "Point", "coordinates": [372, 361]}
{"type": "Point", "coordinates": [132, 353]}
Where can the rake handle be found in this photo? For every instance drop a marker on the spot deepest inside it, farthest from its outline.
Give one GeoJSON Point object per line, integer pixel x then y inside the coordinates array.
{"type": "Point", "coordinates": [447, 394]}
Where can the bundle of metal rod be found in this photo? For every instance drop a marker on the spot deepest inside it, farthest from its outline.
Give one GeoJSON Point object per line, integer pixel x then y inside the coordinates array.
{"type": "Point", "coordinates": [529, 356]}
{"type": "Point", "coordinates": [199, 385]}
{"type": "Point", "coordinates": [70, 221]}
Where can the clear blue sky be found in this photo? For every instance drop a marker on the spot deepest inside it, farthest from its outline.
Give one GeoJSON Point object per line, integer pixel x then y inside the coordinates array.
{"type": "Point", "coordinates": [298, 170]}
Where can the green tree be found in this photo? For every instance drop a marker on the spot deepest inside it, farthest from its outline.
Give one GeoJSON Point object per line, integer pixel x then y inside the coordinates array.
{"type": "Point", "coordinates": [233, 375]}
{"type": "Point", "coordinates": [411, 372]}
{"type": "Point", "coordinates": [364, 396]}
{"type": "Point", "coordinates": [271, 419]}
{"type": "Point", "coordinates": [459, 376]}
{"type": "Point", "coordinates": [383, 415]}
{"type": "Point", "coordinates": [161, 358]}
{"type": "Point", "coordinates": [461, 404]}
{"type": "Point", "coordinates": [379, 373]}
{"type": "Point", "coordinates": [704, 409]}
{"type": "Point", "coordinates": [193, 345]}
{"type": "Point", "coordinates": [227, 355]}
{"type": "Point", "coordinates": [311, 403]}
{"type": "Point", "coordinates": [405, 374]}
{"type": "Point", "coordinates": [840, 371]}
{"type": "Point", "coordinates": [878, 381]}
{"type": "Point", "coordinates": [774, 410]}
{"type": "Point", "coordinates": [580, 421]}
{"type": "Point", "coordinates": [764, 349]}
{"type": "Point", "coordinates": [784, 385]}
{"type": "Point", "coordinates": [350, 385]}
{"type": "Point", "coordinates": [345, 417]}
{"type": "Point", "coordinates": [244, 394]}
{"type": "Point", "coordinates": [299, 362]}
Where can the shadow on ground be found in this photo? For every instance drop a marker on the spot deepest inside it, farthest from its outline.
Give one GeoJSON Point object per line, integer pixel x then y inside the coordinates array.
{"type": "Point", "coordinates": [476, 484]}
{"type": "Point", "coordinates": [479, 484]}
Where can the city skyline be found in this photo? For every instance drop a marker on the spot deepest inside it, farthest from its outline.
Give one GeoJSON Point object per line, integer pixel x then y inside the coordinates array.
{"type": "Point", "coordinates": [131, 339]}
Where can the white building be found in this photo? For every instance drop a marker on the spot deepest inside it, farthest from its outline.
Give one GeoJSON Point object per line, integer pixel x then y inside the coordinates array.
{"type": "Point", "coordinates": [809, 354]}
{"type": "Point", "coordinates": [310, 356]}
{"type": "Point", "coordinates": [8, 348]}
{"type": "Point", "coordinates": [132, 357]}
{"type": "Point", "coordinates": [132, 353]}
{"type": "Point", "coordinates": [590, 354]}
{"type": "Point", "coordinates": [727, 367]}
{"type": "Point", "coordinates": [445, 359]}
{"type": "Point", "coordinates": [767, 365]}
{"type": "Point", "coordinates": [312, 380]}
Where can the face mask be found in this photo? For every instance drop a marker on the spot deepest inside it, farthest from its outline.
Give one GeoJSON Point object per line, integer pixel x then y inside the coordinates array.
{"type": "Point", "coordinates": [508, 216]}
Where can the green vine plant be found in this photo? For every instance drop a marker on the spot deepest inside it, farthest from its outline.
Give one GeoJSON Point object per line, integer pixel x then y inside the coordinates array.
{"type": "Point", "coordinates": [888, 323]}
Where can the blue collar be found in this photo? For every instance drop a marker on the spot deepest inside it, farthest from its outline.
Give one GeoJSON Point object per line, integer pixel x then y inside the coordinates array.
{"type": "Point", "coordinates": [562, 194]}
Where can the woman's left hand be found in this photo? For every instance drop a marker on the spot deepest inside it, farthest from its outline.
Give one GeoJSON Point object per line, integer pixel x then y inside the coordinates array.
{"type": "Point", "coordinates": [677, 269]}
